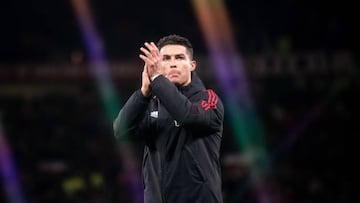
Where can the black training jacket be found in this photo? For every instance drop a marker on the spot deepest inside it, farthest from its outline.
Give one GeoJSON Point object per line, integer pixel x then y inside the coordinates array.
{"type": "Point", "coordinates": [182, 129]}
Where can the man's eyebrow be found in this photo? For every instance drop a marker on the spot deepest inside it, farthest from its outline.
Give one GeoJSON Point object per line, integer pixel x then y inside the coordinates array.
{"type": "Point", "coordinates": [181, 54]}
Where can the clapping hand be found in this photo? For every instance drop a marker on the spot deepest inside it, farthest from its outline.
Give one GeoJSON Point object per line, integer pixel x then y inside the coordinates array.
{"type": "Point", "coordinates": [151, 57]}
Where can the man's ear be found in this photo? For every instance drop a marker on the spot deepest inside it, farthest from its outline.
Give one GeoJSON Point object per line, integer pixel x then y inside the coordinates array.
{"type": "Point", "coordinates": [193, 65]}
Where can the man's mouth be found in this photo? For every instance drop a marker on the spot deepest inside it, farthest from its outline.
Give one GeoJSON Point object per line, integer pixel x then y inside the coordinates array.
{"type": "Point", "coordinates": [174, 74]}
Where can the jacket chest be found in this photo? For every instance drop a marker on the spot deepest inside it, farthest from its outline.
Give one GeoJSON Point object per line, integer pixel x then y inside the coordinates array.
{"type": "Point", "coordinates": [161, 119]}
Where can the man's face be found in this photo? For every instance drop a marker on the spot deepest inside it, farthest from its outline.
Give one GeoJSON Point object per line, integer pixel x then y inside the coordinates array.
{"type": "Point", "coordinates": [176, 64]}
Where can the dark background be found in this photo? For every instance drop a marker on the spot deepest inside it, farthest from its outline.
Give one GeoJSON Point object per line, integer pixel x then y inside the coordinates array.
{"type": "Point", "coordinates": [61, 139]}
{"type": "Point", "coordinates": [47, 30]}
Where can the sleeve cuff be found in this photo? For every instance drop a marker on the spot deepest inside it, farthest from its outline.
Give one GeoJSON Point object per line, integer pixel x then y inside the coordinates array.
{"type": "Point", "coordinates": [141, 97]}
{"type": "Point", "coordinates": [155, 76]}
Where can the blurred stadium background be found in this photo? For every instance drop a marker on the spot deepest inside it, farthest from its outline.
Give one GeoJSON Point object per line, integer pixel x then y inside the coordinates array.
{"type": "Point", "coordinates": [66, 70]}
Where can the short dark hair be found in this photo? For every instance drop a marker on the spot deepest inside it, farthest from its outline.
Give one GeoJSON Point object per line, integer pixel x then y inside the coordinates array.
{"type": "Point", "coordinates": [174, 39]}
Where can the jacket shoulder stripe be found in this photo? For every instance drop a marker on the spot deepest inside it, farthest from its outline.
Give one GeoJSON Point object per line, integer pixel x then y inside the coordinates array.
{"type": "Point", "coordinates": [211, 101]}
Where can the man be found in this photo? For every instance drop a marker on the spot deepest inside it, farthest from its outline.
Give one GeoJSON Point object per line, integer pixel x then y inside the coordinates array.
{"type": "Point", "coordinates": [181, 123]}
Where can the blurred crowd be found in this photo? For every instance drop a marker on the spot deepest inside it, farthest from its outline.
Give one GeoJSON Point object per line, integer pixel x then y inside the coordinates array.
{"type": "Point", "coordinates": [63, 144]}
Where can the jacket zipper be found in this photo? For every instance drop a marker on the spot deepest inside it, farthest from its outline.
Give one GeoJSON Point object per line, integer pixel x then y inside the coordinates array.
{"type": "Point", "coordinates": [162, 162]}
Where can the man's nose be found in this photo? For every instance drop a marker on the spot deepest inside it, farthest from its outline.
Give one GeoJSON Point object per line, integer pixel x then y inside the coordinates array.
{"type": "Point", "coordinates": [173, 63]}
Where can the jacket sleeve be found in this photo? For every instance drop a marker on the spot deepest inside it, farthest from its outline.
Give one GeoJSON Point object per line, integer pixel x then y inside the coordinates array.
{"type": "Point", "coordinates": [205, 110]}
{"type": "Point", "coordinates": [131, 117]}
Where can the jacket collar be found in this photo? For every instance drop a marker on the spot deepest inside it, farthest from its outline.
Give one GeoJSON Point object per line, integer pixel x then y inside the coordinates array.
{"type": "Point", "coordinates": [195, 85]}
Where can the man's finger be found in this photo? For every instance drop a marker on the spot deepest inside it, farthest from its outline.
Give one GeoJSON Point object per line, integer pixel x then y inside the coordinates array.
{"type": "Point", "coordinates": [145, 59]}
{"type": "Point", "coordinates": [152, 48]}
{"type": "Point", "coordinates": [149, 46]}
{"type": "Point", "coordinates": [146, 52]}
{"type": "Point", "coordinates": [155, 49]}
